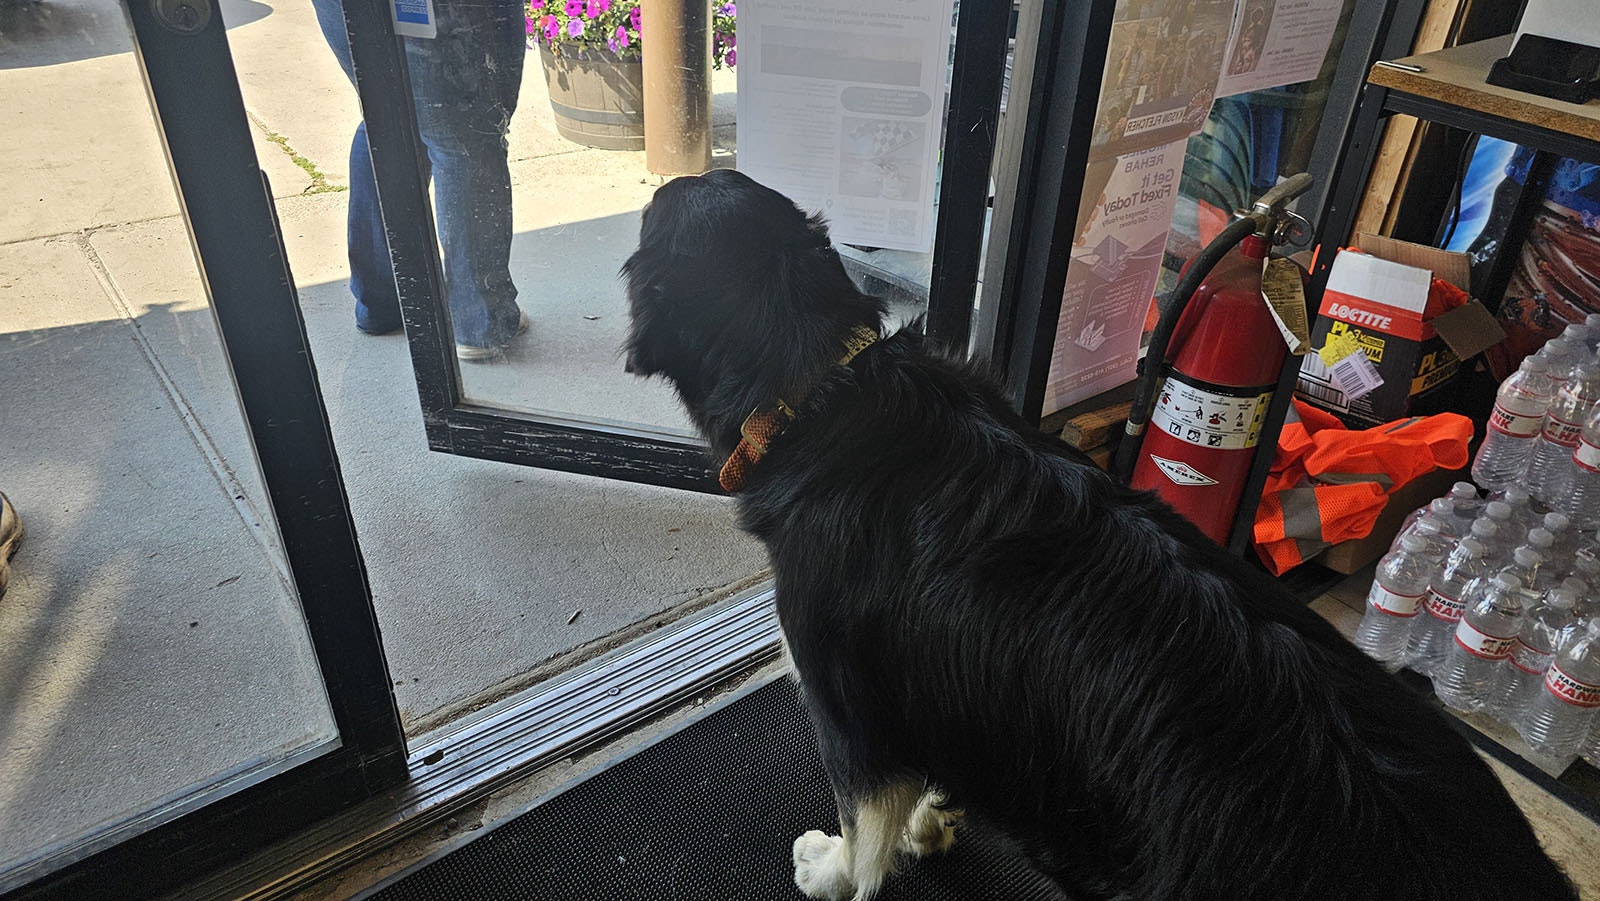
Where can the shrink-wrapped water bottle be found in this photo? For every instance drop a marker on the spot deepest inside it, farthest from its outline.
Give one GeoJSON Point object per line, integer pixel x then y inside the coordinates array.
{"type": "Point", "coordinates": [1522, 505]}
{"type": "Point", "coordinates": [1592, 340]}
{"type": "Point", "coordinates": [1560, 716]}
{"type": "Point", "coordinates": [1495, 550]}
{"type": "Point", "coordinates": [1558, 433]}
{"type": "Point", "coordinates": [1465, 573]}
{"type": "Point", "coordinates": [1563, 352]}
{"type": "Point", "coordinates": [1580, 494]}
{"type": "Point", "coordinates": [1590, 752]}
{"type": "Point", "coordinates": [1396, 596]}
{"type": "Point", "coordinates": [1514, 685]}
{"type": "Point", "coordinates": [1519, 409]}
{"type": "Point", "coordinates": [1481, 644]}
{"type": "Point", "coordinates": [1440, 511]}
{"type": "Point", "coordinates": [1539, 576]}
{"type": "Point", "coordinates": [1467, 507]}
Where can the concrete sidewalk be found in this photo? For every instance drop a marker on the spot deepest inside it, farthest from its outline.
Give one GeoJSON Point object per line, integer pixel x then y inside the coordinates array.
{"type": "Point", "coordinates": [149, 641]}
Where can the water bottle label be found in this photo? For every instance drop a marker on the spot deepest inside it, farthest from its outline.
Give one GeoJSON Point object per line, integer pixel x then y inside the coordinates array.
{"type": "Point", "coordinates": [1559, 431]}
{"type": "Point", "coordinates": [1481, 644]}
{"type": "Point", "coordinates": [1587, 456]}
{"type": "Point", "coordinates": [1443, 606]}
{"type": "Point", "coordinates": [1563, 686]}
{"type": "Point", "coordinates": [1515, 424]}
{"type": "Point", "coordinates": [1530, 660]}
{"type": "Point", "coordinates": [1386, 601]}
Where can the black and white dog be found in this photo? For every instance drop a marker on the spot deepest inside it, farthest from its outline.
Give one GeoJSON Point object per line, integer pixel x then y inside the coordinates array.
{"type": "Point", "coordinates": [982, 620]}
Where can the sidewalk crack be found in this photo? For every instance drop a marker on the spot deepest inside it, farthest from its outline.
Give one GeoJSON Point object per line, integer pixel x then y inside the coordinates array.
{"type": "Point", "coordinates": [319, 181]}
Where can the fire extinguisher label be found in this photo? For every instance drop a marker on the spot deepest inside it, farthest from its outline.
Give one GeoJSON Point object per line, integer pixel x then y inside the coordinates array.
{"type": "Point", "coordinates": [1181, 472]}
{"type": "Point", "coordinates": [1205, 417]}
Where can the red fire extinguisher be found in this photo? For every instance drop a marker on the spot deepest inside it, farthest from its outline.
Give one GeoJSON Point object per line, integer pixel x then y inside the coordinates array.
{"type": "Point", "coordinates": [1210, 373]}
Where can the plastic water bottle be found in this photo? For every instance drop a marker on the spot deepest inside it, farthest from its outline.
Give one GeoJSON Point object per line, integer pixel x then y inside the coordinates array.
{"type": "Point", "coordinates": [1527, 558]}
{"type": "Point", "coordinates": [1558, 433]}
{"type": "Point", "coordinates": [1436, 544]}
{"type": "Point", "coordinates": [1560, 717]}
{"type": "Point", "coordinates": [1579, 497]}
{"type": "Point", "coordinates": [1590, 752]}
{"type": "Point", "coordinates": [1564, 543]}
{"type": "Point", "coordinates": [1440, 511]}
{"type": "Point", "coordinates": [1482, 642]}
{"type": "Point", "coordinates": [1396, 597]}
{"type": "Point", "coordinates": [1548, 571]}
{"type": "Point", "coordinates": [1514, 685]}
{"type": "Point", "coordinates": [1522, 505]}
{"type": "Point", "coordinates": [1495, 549]}
{"type": "Point", "coordinates": [1465, 573]}
{"type": "Point", "coordinates": [1467, 506]}
{"type": "Point", "coordinates": [1563, 353]}
{"type": "Point", "coordinates": [1519, 408]}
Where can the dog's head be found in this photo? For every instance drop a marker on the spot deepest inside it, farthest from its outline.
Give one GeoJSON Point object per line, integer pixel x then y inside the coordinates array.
{"type": "Point", "coordinates": [735, 293]}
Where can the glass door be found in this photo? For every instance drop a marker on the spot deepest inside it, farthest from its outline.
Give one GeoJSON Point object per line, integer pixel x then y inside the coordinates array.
{"type": "Point", "coordinates": [189, 666]}
{"type": "Point", "coordinates": [511, 299]}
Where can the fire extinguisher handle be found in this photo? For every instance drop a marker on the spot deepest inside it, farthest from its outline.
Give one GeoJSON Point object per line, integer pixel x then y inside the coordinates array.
{"type": "Point", "coordinates": [1269, 207]}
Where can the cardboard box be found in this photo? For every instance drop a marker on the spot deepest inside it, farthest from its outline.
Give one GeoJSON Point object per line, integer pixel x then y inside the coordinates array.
{"type": "Point", "coordinates": [1377, 300]}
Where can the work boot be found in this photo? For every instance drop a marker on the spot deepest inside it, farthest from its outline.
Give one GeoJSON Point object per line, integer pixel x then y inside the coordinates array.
{"type": "Point", "coordinates": [10, 534]}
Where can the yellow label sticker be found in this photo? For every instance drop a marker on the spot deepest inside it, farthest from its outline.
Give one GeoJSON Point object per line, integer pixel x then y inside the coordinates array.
{"type": "Point", "coordinates": [1339, 346]}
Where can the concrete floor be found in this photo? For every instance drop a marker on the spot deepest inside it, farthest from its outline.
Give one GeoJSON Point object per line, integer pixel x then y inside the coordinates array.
{"type": "Point", "coordinates": [149, 642]}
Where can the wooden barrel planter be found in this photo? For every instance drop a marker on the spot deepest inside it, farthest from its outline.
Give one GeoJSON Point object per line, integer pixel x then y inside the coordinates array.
{"type": "Point", "coordinates": [598, 100]}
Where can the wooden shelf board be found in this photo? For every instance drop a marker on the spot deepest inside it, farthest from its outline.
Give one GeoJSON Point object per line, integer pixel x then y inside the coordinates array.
{"type": "Point", "coordinates": [1455, 76]}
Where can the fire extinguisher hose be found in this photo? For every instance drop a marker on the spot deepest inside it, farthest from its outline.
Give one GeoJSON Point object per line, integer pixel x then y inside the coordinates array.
{"type": "Point", "coordinates": [1156, 355]}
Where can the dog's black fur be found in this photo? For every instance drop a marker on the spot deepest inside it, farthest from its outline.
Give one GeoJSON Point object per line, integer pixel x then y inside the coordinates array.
{"type": "Point", "coordinates": [970, 604]}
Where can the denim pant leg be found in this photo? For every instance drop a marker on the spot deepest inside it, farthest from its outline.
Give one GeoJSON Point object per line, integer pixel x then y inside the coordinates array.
{"type": "Point", "coordinates": [371, 273]}
{"type": "Point", "coordinates": [466, 82]}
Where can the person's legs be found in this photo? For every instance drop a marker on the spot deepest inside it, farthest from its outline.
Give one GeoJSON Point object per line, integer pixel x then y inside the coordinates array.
{"type": "Point", "coordinates": [466, 82]}
{"type": "Point", "coordinates": [371, 275]}
{"type": "Point", "coordinates": [371, 272]}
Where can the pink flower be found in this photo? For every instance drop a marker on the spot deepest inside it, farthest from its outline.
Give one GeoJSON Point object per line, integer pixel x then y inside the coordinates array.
{"type": "Point", "coordinates": [732, 57]}
{"type": "Point", "coordinates": [536, 4]}
{"type": "Point", "coordinates": [633, 19]}
{"type": "Point", "coordinates": [552, 28]}
{"type": "Point", "coordinates": [575, 27]}
{"type": "Point", "coordinates": [574, 7]}
{"type": "Point", "coordinates": [592, 9]}
{"type": "Point", "coordinates": [621, 39]}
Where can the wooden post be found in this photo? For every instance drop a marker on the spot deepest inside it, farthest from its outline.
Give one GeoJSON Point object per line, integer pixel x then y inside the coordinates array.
{"type": "Point", "coordinates": [675, 37]}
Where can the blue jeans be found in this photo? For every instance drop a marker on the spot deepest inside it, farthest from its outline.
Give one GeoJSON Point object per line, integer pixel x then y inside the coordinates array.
{"type": "Point", "coordinates": [465, 83]}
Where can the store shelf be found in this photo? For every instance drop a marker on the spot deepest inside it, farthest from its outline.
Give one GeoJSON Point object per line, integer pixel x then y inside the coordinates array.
{"type": "Point", "coordinates": [1451, 90]}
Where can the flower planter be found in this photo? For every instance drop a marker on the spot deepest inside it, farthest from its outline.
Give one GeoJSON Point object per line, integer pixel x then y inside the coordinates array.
{"type": "Point", "coordinates": [598, 100]}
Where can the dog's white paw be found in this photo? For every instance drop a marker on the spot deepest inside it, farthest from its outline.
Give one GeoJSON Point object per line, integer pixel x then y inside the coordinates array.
{"type": "Point", "coordinates": [820, 868]}
{"type": "Point", "coordinates": [931, 829]}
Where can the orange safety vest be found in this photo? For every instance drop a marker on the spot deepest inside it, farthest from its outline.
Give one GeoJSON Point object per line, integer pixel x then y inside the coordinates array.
{"type": "Point", "coordinates": [1329, 483]}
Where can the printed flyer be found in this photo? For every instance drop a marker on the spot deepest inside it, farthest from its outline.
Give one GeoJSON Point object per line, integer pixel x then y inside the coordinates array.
{"type": "Point", "coordinates": [1278, 42]}
{"type": "Point", "coordinates": [841, 107]}
{"type": "Point", "coordinates": [1112, 274]}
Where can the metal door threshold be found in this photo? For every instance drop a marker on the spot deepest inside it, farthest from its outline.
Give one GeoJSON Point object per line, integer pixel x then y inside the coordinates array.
{"type": "Point", "coordinates": [461, 764]}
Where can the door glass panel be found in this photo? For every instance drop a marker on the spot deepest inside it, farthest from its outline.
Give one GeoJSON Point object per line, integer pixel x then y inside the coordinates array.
{"type": "Point", "coordinates": [487, 577]}
{"type": "Point", "coordinates": [153, 652]}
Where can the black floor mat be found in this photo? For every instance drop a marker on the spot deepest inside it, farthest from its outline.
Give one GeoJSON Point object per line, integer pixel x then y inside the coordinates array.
{"type": "Point", "coordinates": [709, 813]}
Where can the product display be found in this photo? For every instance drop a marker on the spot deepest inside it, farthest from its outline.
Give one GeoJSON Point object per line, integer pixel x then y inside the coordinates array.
{"type": "Point", "coordinates": [1509, 623]}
